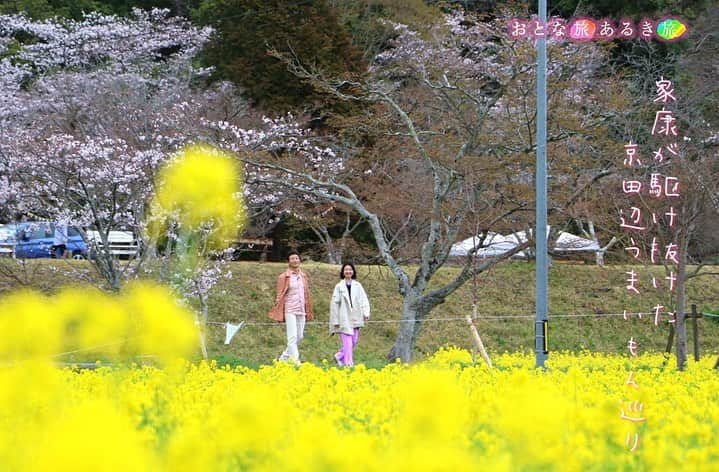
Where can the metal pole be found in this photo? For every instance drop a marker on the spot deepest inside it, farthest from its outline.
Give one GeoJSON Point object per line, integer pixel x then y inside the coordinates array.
{"type": "Point", "coordinates": [540, 234]}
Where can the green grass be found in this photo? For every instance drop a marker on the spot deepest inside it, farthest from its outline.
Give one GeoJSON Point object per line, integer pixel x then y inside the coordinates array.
{"type": "Point", "coordinates": [505, 296]}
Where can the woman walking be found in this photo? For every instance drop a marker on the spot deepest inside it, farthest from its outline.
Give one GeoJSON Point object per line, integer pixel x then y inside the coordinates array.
{"type": "Point", "coordinates": [349, 309]}
{"type": "Point", "coordinates": [293, 305]}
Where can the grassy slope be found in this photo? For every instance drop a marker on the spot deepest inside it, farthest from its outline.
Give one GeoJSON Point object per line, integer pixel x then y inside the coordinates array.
{"type": "Point", "coordinates": [505, 292]}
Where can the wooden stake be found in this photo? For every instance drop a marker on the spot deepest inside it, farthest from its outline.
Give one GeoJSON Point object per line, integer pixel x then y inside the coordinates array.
{"type": "Point", "coordinates": [695, 315]}
{"type": "Point", "coordinates": [671, 339]}
{"type": "Point", "coordinates": [478, 341]}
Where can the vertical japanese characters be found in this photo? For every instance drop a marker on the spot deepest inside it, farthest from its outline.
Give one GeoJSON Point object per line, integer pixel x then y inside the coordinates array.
{"type": "Point", "coordinates": [650, 219]}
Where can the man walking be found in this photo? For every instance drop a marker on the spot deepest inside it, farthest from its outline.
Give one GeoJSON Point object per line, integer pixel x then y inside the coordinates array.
{"type": "Point", "coordinates": [293, 305]}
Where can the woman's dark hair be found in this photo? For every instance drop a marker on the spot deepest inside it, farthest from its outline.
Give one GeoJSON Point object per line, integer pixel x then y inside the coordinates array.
{"type": "Point", "coordinates": [342, 270]}
{"type": "Point", "coordinates": [293, 253]}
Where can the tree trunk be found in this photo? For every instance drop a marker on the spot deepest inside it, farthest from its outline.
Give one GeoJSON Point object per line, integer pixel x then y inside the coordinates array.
{"type": "Point", "coordinates": [105, 265]}
{"type": "Point", "coordinates": [413, 313]}
{"type": "Point", "coordinates": [591, 233]}
{"type": "Point", "coordinates": [334, 255]}
{"type": "Point", "coordinates": [103, 261]}
{"type": "Point", "coordinates": [336, 250]}
{"type": "Point", "coordinates": [181, 8]}
{"type": "Point", "coordinates": [202, 328]}
{"type": "Point", "coordinates": [680, 323]}
{"type": "Point", "coordinates": [202, 325]}
{"type": "Point", "coordinates": [599, 257]}
{"type": "Point", "coordinates": [150, 250]}
{"type": "Point", "coordinates": [404, 343]}
{"type": "Point", "coordinates": [681, 326]}
{"type": "Point", "coordinates": [603, 250]}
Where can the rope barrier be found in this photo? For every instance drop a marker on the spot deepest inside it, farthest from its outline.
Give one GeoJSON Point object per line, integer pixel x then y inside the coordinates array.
{"type": "Point", "coordinates": [447, 319]}
{"type": "Point", "coordinates": [92, 348]}
{"type": "Point", "coordinates": [461, 319]}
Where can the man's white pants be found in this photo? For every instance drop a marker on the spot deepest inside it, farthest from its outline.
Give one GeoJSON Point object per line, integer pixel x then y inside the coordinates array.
{"type": "Point", "coordinates": [295, 324]}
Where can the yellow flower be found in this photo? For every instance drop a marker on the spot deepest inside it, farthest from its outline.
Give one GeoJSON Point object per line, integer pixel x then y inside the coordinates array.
{"type": "Point", "coordinates": [143, 319]}
{"type": "Point", "coordinates": [92, 318]}
{"type": "Point", "coordinates": [28, 326]}
{"type": "Point", "coordinates": [443, 414]}
{"type": "Point", "coordinates": [161, 327]}
{"type": "Point", "coordinates": [92, 436]}
{"type": "Point", "coordinates": [200, 190]}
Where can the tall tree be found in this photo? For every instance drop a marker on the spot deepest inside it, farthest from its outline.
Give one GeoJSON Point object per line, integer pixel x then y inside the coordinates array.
{"type": "Point", "coordinates": [619, 8]}
{"type": "Point", "coordinates": [369, 22]}
{"type": "Point", "coordinates": [76, 9]}
{"type": "Point", "coordinates": [44, 9]}
{"type": "Point", "coordinates": [90, 109]}
{"type": "Point", "coordinates": [246, 29]}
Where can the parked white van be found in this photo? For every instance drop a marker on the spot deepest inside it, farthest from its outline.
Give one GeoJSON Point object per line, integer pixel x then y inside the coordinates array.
{"type": "Point", "coordinates": [123, 244]}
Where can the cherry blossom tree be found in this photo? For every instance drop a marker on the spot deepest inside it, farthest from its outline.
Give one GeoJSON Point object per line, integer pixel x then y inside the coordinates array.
{"type": "Point", "coordinates": [93, 108]}
{"type": "Point", "coordinates": [90, 110]}
{"type": "Point", "coordinates": [283, 139]}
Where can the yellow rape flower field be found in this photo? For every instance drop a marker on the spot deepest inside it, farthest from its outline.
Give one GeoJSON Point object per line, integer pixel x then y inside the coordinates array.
{"type": "Point", "coordinates": [441, 414]}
